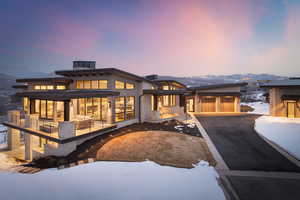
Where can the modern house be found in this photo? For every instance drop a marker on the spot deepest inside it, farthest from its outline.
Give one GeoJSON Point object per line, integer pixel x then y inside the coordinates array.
{"type": "Point", "coordinates": [284, 96]}
{"type": "Point", "coordinates": [59, 113]}
{"type": "Point", "coordinates": [219, 98]}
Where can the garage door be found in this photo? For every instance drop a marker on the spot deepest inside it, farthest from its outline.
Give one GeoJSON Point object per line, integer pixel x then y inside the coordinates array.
{"type": "Point", "coordinates": [208, 104]}
{"type": "Point", "coordinates": [227, 104]}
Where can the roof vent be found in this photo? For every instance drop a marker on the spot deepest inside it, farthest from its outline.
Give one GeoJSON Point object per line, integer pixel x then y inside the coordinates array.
{"type": "Point", "coordinates": [77, 65]}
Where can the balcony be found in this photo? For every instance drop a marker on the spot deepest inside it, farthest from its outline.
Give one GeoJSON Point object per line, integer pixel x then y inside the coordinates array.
{"type": "Point", "coordinates": [55, 131]}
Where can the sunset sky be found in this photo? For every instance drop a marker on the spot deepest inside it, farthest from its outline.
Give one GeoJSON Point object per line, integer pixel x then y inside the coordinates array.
{"type": "Point", "coordinates": [167, 37]}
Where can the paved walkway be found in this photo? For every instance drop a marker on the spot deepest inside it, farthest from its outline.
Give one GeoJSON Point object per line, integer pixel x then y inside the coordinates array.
{"type": "Point", "coordinates": [241, 147]}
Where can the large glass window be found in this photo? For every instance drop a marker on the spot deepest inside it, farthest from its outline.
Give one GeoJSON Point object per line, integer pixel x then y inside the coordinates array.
{"type": "Point", "coordinates": [93, 107]}
{"type": "Point", "coordinates": [81, 106]}
{"type": "Point", "coordinates": [50, 107]}
{"type": "Point", "coordinates": [60, 110]}
{"type": "Point", "coordinates": [87, 84]}
{"type": "Point", "coordinates": [102, 84]}
{"type": "Point", "coordinates": [60, 87]}
{"type": "Point", "coordinates": [165, 87]}
{"type": "Point", "coordinates": [79, 84]}
{"type": "Point", "coordinates": [37, 106]}
{"type": "Point", "coordinates": [120, 109]}
{"type": "Point", "coordinates": [129, 86]}
{"type": "Point", "coordinates": [50, 87]}
{"type": "Point", "coordinates": [119, 85]}
{"type": "Point", "coordinates": [26, 104]}
{"type": "Point", "coordinates": [129, 108]}
{"type": "Point", "coordinates": [124, 108]}
{"type": "Point", "coordinates": [43, 109]}
{"type": "Point", "coordinates": [95, 84]}
{"type": "Point", "coordinates": [43, 87]}
{"type": "Point", "coordinates": [166, 100]}
{"type": "Point", "coordinates": [37, 87]}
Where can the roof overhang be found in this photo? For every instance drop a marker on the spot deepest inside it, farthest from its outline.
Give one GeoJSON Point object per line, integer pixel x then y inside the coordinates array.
{"type": "Point", "coordinates": [20, 86]}
{"type": "Point", "coordinates": [236, 94]}
{"type": "Point", "coordinates": [62, 80]}
{"type": "Point", "coordinates": [290, 97]}
{"type": "Point", "coordinates": [62, 95]}
{"type": "Point", "coordinates": [100, 72]}
{"type": "Point", "coordinates": [217, 86]}
{"type": "Point", "coordinates": [166, 92]}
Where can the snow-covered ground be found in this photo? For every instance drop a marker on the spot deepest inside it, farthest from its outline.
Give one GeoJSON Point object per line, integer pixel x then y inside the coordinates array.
{"type": "Point", "coordinates": [114, 180]}
{"type": "Point", "coordinates": [283, 131]}
{"type": "Point", "coordinates": [259, 107]}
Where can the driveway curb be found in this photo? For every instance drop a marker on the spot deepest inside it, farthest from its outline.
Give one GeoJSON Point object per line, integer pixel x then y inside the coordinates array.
{"type": "Point", "coordinates": [221, 165]}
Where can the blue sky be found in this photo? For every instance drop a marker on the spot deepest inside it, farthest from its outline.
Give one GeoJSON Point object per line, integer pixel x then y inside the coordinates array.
{"type": "Point", "coordinates": [169, 37]}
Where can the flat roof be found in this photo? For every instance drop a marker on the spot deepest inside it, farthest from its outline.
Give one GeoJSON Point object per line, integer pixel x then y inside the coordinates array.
{"type": "Point", "coordinates": [282, 83]}
{"type": "Point", "coordinates": [46, 79]}
{"type": "Point", "coordinates": [101, 71]}
{"type": "Point", "coordinates": [236, 94]}
{"type": "Point", "coordinates": [61, 95]}
{"type": "Point", "coordinates": [290, 97]}
{"type": "Point", "coordinates": [215, 86]}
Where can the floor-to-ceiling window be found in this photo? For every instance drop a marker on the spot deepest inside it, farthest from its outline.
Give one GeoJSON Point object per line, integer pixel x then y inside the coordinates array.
{"type": "Point", "coordinates": [124, 108]}
{"type": "Point", "coordinates": [95, 108]}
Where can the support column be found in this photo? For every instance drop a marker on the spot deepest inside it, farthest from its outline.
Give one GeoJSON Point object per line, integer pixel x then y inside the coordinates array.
{"type": "Point", "coordinates": [31, 106]}
{"type": "Point", "coordinates": [155, 102]}
{"type": "Point", "coordinates": [111, 110]}
{"type": "Point", "coordinates": [67, 110]}
{"type": "Point", "coordinates": [218, 104]}
{"type": "Point", "coordinates": [13, 135]}
{"type": "Point", "coordinates": [28, 147]}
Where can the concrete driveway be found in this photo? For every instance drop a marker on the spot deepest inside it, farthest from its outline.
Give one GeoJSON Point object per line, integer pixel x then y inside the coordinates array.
{"type": "Point", "coordinates": [240, 145]}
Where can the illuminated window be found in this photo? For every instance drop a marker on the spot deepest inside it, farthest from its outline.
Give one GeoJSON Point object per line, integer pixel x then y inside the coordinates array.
{"type": "Point", "coordinates": [26, 105]}
{"type": "Point", "coordinates": [50, 87]}
{"type": "Point", "coordinates": [119, 85]}
{"type": "Point", "coordinates": [87, 84]}
{"type": "Point", "coordinates": [60, 87]}
{"type": "Point", "coordinates": [166, 100]}
{"type": "Point", "coordinates": [60, 110]}
{"type": "Point", "coordinates": [43, 113]}
{"type": "Point", "coordinates": [124, 108]}
{"type": "Point", "coordinates": [37, 87]}
{"type": "Point", "coordinates": [97, 108]}
{"type": "Point", "coordinates": [43, 87]}
{"type": "Point", "coordinates": [94, 84]}
{"type": "Point", "coordinates": [102, 84]}
{"type": "Point", "coordinates": [152, 102]}
{"type": "Point", "coordinates": [120, 109]}
{"type": "Point", "coordinates": [37, 106]}
{"type": "Point", "coordinates": [79, 84]}
{"type": "Point", "coordinates": [165, 87]}
{"type": "Point", "coordinates": [129, 112]}
{"type": "Point", "coordinates": [129, 86]}
{"type": "Point", "coordinates": [50, 107]}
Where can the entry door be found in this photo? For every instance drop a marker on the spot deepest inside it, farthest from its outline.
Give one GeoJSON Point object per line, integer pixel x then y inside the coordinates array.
{"type": "Point", "coordinates": [291, 110]}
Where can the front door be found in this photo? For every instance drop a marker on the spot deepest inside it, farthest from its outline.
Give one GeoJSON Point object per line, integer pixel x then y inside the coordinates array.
{"type": "Point", "coordinates": [291, 110]}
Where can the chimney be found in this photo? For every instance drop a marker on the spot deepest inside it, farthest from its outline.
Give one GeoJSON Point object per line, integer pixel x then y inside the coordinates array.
{"type": "Point", "coordinates": [78, 65]}
{"type": "Point", "coordinates": [152, 77]}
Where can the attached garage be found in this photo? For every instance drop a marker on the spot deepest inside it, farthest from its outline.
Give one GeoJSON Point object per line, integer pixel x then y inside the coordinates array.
{"type": "Point", "coordinates": [227, 104]}
{"type": "Point", "coordinates": [208, 104]}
